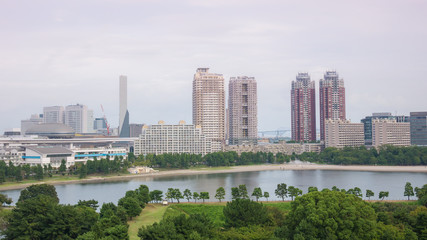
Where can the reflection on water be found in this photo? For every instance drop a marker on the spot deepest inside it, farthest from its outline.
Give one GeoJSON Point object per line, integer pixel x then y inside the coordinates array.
{"type": "Point", "coordinates": [267, 180]}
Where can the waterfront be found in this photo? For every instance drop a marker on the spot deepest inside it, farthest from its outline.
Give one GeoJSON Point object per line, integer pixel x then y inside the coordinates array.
{"type": "Point", "coordinates": [393, 182]}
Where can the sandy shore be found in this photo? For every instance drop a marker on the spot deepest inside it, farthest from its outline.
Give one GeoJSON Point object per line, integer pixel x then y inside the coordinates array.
{"type": "Point", "coordinates": [251, 168]}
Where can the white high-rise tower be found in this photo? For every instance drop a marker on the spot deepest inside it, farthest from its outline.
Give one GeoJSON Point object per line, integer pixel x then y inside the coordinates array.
{"type": "Point", "coordinates": [123, 111]}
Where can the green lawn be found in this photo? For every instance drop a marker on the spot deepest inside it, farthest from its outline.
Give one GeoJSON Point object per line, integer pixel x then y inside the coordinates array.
{"type": "Point", "coordinates": [150, 214]}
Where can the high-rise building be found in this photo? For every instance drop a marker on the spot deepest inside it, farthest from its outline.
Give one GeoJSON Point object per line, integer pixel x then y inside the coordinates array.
{"type": "Point", "coordinates": [76, 117]}
{"type": "Point", "coordinates": [418, 122]}
{"type": "Point", "coordinates": [332, 99]}
{"type": "Point", "coordinates": [53, 114]}
{"type": "Point", "coordinates": [390, 132]}
{"type": "Point", "coordinates": [29, 123]}
{"type": "Point", "coordinates": [367, 123]}
{"type": "Point", "coordinates": [123, 111]}
{"type": "Point", "coordinates": [209, 106]}
{"type": "Point", "coordinates": [342, 133]}
{"type": "Point", "coordinates": [303, 108]}
{"type": "Point", "coordinates": [165, 138]}
{"type": "Point", "coordinates": [90, 128]}
{"type": "Point", "coordinates": [242, 110]}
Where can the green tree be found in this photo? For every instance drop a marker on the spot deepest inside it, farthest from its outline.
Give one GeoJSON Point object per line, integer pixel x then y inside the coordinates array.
{"type": "Point", "coordinates": [422, 195]}
{"type": "Point", "coordinates": [204, 196]}
{"type": "Point", "coordinates": [220, 193]}
{"type": "Point", "coordinates": [131, 205]}
{"type": "Point", "coordinates": [235, 194]}
{"type": "Point", "coordinates": [383, 195]}
{"type": "Point", "coordinates": [156, 195]}
{"type": "Point", "coordinates": [187, 194]}
{"type": "Point", "coordinates": [39, 172]}
{"type": "Point", "coordinates": [196, 196]}
{"type": "Point", "coordinates": [409, 190]}
{"type": "Point", "coordinates": [178, 194]}
{"type": "Point", "coordinates": [335, 189]}
{"type": "Point", "coordinates": [39, 189]}
{"type": "Point", "coordinates": [83, 171]}
{"type": "Point", "coordinates": [170, 194]}
{"type": "Point", "coordinates": [143, 194]}
{"type": "Point", "coordinates": [266, 195]}
{"type": "Point", "coordinates": [195, 226]}
{"type": "Point", "coordinates": [4, 199]}
{"type": "Point", "coordinates": [88, 203]}
{"type": "Point", "coordinates": [257, 193]}
{"type": "Point", "coordinates": [312, 189]}
{"type": "Point", "coordinates": [244, 212]}
{"type": "Point", "coordinates": [369, 194]}
{"type": "Point", "coordinates": [243, 192]}
{"type": "Point", "coordinates": [281, 191]}
{"type": "Point", "coordinates": [329, 215]}
{"type": "Point", "coordinates": [294, 192]}
{"type": "Point", "coordinates": [63, 167]}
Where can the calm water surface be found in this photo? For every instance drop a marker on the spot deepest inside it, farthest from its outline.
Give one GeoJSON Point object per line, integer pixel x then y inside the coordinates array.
{"type": "Point", "coordinates": [267, 180]}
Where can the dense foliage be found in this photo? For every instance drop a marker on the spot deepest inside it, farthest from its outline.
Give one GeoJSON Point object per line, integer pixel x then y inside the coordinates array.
{"type": "Point", "coordinates": [38, 215]}
{"type": "Point", "coordinates": [185, 160]}
{"type": "Point", "coordinates": [385, 155]}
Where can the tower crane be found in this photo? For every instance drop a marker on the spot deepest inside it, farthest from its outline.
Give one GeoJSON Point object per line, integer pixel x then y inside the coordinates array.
{"type": "Point", "coordinates": [106, 122]}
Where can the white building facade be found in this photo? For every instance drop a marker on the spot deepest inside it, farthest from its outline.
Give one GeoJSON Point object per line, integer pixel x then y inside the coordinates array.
{"type": "Point", "coordinates": [390, 132]}
{"type": "Point", "coordinates": [163, 138]}
{"type": "Point", "coordinates": [53, 114]}
{"type": "Point", "coordinates": [343, 133]}
{"type": "Point", "coordinates": [76, 117]}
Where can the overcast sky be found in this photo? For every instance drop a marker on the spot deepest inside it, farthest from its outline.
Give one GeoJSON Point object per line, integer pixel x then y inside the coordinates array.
{"type": "Point", "coordinates": [67, 52]}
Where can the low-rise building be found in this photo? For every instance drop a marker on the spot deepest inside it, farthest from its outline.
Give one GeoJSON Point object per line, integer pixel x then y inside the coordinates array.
{"type": "Point", "coordinates": [283, 147]}
{"type": "Point", "coordinates": [85, 154]}
{"type": "Point", "coordinates": [343, 133]}
{"type": "Point", "coordinates": [165, 138]}
{"type": "Point", "coordinates": [48, 155]}
{"type": "Point", "coordinates": [390, 132]}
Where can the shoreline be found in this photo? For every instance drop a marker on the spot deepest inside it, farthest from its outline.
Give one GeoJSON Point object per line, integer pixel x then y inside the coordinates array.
{"type": "Point", "coordinates": [233, 169]}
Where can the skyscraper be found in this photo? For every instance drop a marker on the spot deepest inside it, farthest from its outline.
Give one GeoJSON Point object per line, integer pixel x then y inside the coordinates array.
{"type": "Point", "coordinates": [53, 114]}
{"type": "Point", "coordinates": [76, 117]}
{"type": "Point", "coordinates": [209, 106]}
{"type": "Point", "coordinates": [242, 110]}
{"type": "Point", "coordinates": [332, 99]}
{"type": "Point", "coordinates": [303, 108]}
{"type": "Point", "coordinates": [124, 130]}
{"type": "Point", "coordinates": [418, 122]}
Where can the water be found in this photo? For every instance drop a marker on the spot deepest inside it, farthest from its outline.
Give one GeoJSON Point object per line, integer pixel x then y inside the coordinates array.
{"type": "Point", "coordinates": [394, 182]}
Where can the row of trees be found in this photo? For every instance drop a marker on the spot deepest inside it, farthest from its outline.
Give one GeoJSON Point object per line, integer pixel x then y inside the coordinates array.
{"type": "Point", "coordinates": [316, 215]}
{"type": "Point", "coordinates": [185, 160]}
{"type": "Point", "coordinates": [282, 192]}
{"type": "Point", "coordinates": [384, 155]}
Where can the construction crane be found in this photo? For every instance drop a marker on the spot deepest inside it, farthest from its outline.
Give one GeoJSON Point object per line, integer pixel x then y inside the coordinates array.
{"type": "Point", "coordinates": [106, 122]}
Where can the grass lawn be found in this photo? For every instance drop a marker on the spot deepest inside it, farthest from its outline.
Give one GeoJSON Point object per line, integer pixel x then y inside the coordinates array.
{"type": "Point", "coordinates": [152, 213]}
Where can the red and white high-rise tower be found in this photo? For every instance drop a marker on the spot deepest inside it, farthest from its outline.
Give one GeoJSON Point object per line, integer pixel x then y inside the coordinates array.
{"type": "Point", "coordinates": [303, 105]}
{"type": "Point", "coordinates": [332, 99]}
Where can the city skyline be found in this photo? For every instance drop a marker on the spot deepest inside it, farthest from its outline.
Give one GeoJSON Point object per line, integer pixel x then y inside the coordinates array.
{"type": "Point", "coordinates": [62, 54]}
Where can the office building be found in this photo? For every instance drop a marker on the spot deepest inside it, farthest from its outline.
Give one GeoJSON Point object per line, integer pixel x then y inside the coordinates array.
{"type": "Point", "coordinates": [367, 123]}
{"type": "Point", "coordinates": [242, 110]}
{"type": "Point", "coordinates": [332, 99]}
{"type": "Point", "coordinates": [123, 109]}
{"type": "Point", "coordinates": [342, 133]}
{"type": "Point", "coordinates": [99, 124]}
{"type": "Point", "coordinates": [76, 117]}
{"type": "Point", "coordinates": [303, 109]}
{"type": "Point", "coordinates": [53, 114]}
{"type": "Point", "coordinates": [26, 124]}
{"type": "Point", "coordinates": [390, 132]}
{"type": "Point", "coordinates": [418, 122]}
{"type": "Point", "coordinates": [164, 138]}
{"type": "Point", "coordinates": [135, 129]}
{"type": "Point", "coordinates": [209, 106]}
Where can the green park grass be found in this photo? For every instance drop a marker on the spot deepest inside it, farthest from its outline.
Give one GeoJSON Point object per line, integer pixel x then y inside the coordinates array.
{"type": "Point", "coordinates": [150, 214]}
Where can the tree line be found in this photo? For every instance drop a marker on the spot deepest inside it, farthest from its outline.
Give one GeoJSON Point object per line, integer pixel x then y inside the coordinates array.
{"type": "Point", "coordinates": [384, 155]}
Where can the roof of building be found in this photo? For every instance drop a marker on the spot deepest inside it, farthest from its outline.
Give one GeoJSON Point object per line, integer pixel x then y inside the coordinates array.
{"type": "Point", "coordinates": [51, 130]}
{"type": "Point", "coordinates": [51, 150]}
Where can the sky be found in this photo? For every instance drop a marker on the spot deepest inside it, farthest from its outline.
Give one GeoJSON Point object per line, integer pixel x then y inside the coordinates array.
{"type": "Point", "coordinates": [58, 52]}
